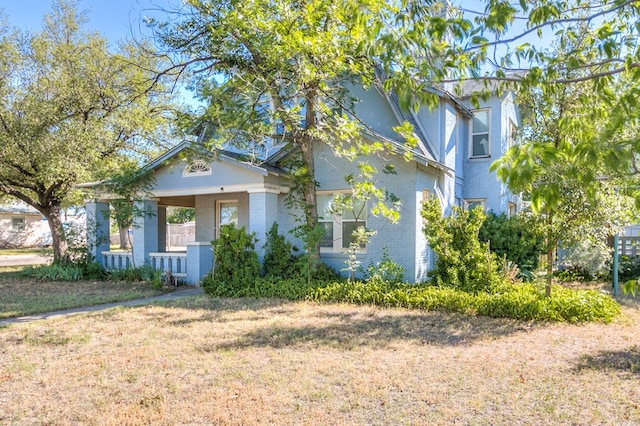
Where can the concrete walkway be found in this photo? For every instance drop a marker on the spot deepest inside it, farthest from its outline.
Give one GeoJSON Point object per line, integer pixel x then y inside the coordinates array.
{"type": "Point", "coordinates": [179, 293]}
{"type": "Point", "coordinates": [23, 259]}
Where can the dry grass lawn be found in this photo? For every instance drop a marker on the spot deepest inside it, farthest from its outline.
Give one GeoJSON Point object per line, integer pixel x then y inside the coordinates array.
{"type": "Point", "coordinates": [242, 362]}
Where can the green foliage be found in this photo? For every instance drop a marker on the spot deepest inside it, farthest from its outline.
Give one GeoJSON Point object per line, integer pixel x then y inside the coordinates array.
{"type": "Point", "coordinates": [631, 287]}
{"type": "Point", "coordinates": [386, 270]}
{"type": "Point", "coordinates": [82, 268]}
{"type": "Point", "coordinates": [236, 266]}
{"type": "Point", "coordinates": [528, 302]}
{"type": "Point", "coordinates": [68, 107]}
{"type": "Point", "coordinates": [279, 262]}
{"type": "Point", "coordinates": [55, 272]}
{"type": "Point", "coordinates": [144, 273]}
{"type": "Point", "coordinates": [180, 214]}
{"type": "Point", "coordinates": [462, 261]}
{"type": "Point", "coordinates": [523, 301]}
{"type": "Point", "coordinates": [518, 239]}
{"type": "Point", "coordinates": [628, 268]}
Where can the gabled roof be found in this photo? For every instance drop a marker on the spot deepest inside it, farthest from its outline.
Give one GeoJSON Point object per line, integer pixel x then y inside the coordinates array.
{"type": "Point", "coordinates": [18, 207]}
{"type": "Point", "coordinates": [220, 154]}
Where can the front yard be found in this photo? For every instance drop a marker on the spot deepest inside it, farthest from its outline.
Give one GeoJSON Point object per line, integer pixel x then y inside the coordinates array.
{"type": "Point", "coordinates": [21, 295]}
{"type": "Point", "coordinates": [245, 361]}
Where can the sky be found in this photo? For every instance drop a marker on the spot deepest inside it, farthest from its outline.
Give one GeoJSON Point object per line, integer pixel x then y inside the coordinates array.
{"type": "Point", "coordinates": [115, 19]}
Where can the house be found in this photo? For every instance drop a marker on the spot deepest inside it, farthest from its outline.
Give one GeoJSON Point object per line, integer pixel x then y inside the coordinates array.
{"type": "Point", "coordinates": [20, 226]}
{"type": "Point", "coordinates": [456, 145]}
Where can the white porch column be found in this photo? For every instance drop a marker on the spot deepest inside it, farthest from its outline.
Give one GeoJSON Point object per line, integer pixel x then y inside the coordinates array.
{"type": "Point", "coordinates": [145, 230]}
{"type": "Point", "coordinates": [98, 231]}
{"type": "Point", "coordinates": [263, 212]}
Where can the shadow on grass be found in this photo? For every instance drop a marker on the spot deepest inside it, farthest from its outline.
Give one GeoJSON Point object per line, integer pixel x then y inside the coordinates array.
{"type": "Point", "coordinates": [343, 326]}
{"type": "Point", "coordinates": [626, 361]}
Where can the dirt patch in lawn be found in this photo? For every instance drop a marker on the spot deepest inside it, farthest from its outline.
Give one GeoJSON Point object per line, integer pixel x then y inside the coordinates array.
{"type": "Point", "coordinates": [221, 361]}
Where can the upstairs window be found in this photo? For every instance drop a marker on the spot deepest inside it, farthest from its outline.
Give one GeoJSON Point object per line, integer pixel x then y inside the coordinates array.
{"type": "Point", "coordinates": [339, 222]}
{"type": "Point", "coordinates": [472, 203]}
{"type": "Point", "coordinates": [480, 136]}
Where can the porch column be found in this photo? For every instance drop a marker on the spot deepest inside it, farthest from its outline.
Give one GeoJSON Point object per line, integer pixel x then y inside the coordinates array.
{"type": "Point", "coordinates": [98, 231]}
{"type": "Point", "coordinates": [145, 230]}
{"type": "Point", "coordinates": [263, 212]}
{"type": "Point", "coordinates": [199, 261]}
{"type": "Point", "coordinates": [162, 228]}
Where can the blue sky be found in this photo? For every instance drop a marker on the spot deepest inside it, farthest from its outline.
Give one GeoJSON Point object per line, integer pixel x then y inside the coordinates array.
{"type": "Point", "coordinates": [115, 19]}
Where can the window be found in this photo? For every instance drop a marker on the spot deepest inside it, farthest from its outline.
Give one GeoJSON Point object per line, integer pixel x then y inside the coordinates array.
{"type": "Point", "coordinates": [197, 168]}
{"type": "Point", "coordinates": [426, 195]}
{"type": "Point", "coordinates": [480, 134]}
{"type": "Point", "coordinates": [339, 221]}
{"type": "Point", "coordinates": [17, 224]}
{"type": "Point", "coordinates": [472, 203]}
{"type": "Point", "coordinates": [512, 209]}
{"type": "Point", "coordinates": [227, 212]}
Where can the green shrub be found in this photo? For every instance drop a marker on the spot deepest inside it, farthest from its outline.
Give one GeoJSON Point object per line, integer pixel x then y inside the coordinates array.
{"type": "Point", "coordinates": [278, 258]}
{"type": "Point", "coordinates": [236, 264]}
{"type": "Point", "coordinates": [528, 302]}
{"type": "Point", "coordinates": [519, 239]}
{"type": "Point", "coordinates": [628, 268]}
{"type": "Point", "coordinates": [144, 273]}
{"type": "Point", "coordinates": [462, 261]}
{"type": "Point", "coordinates": [385, 270]}
{"type": "Point", "coordinates": [523, 302]}
{"type": "Point", "coordinates": [55, 272]}
{"type": "Point", "coordinates": [66, 271]}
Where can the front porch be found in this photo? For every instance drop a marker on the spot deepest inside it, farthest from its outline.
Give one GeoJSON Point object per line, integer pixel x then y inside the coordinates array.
{"type": "Point", "coordinates": [255, 209]}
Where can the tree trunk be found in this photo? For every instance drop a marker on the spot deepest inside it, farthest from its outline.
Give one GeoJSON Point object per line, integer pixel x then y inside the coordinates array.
{"type": "Point", "coordinates": [124, 238]}
{"type": "Point", "coordinates": [58, 237]}
{"type": "Point", "coordinates": [551, 246]}
{"type": "Point", "coordinates": [310, 203]}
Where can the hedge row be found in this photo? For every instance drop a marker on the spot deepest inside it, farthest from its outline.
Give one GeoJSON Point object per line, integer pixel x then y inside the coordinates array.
{"type": "Point", "coordinates": [520, 301]}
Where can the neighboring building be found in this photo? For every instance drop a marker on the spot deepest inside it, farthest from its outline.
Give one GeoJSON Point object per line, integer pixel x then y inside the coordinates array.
{"type": "Point", "coordinates": [451, 162]}
{"type": "Point", "coordinates": [20, 226]}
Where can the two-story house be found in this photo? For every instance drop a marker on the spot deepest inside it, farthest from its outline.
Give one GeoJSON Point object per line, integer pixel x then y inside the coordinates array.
{"type": "Point", "coordinates": [456, 145]}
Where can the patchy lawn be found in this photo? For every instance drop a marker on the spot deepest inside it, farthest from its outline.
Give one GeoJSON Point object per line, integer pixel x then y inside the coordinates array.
{"type": "Point", "coordinates": [21, 295]}
{"type": "Point", "coordinates": [219, 361]}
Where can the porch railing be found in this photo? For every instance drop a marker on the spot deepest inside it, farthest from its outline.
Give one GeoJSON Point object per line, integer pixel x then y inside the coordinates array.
{"type": "Point", "coordinates": [117, 259]}
{"type": "Point", "coordinates": [176, 262]}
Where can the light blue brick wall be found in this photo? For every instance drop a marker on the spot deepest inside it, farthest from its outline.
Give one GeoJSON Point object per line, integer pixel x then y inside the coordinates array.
{"type": "Point", "coordinates": [145, 231]}
{"type": "Point", "coordinates": [263, 212]}
{"type": "Point", "coordinates": [97, 229]}
{"type": "Point", "coordinates": [199, 261]}
{"type": "Point", "coordinates": [479, 182]}
{"type": "Point", "coordinates": [206, 206]}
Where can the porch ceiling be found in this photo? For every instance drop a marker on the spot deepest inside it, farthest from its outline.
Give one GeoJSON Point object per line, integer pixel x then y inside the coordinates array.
{"type": "Point", "coordinates": [178, 201]}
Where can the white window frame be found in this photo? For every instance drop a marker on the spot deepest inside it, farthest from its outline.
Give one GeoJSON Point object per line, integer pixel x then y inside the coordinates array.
{"type": "Point", "coordinates": [469, 202]}
{"type": "Point", "coordinates": [337, 221]}
{"type": "Point", "coordinates": [488, 133]}
{"type": "Point", "coordinates": [18, 224]}
{"type": "Point", "coordinates": [197, 168]}
{"type": "Point", "coordinates": [219, 205]}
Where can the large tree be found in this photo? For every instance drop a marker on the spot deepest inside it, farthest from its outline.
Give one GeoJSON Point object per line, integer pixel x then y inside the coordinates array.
{"type": "Point", "coordinates": [67, 106]}
{"type": "Point", "coordinates": [572, 176]}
